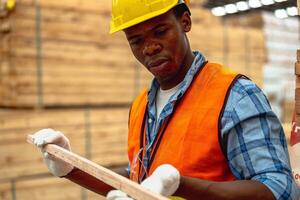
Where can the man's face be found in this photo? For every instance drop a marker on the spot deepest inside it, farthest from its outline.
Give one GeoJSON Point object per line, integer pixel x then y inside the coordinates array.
{"type": "Point", "coordinates": [160, 45]}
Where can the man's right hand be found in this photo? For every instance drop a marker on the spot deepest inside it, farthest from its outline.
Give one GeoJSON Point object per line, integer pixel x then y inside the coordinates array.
{"type": "Point", "coordinates": [49, 136]}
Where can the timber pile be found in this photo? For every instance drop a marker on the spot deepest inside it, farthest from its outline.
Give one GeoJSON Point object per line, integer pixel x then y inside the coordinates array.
{"type": "Point", "coordinates": [282, 41]}
{"type": "Point", "coordinates": [242, 49]}
{"type": "Point", "coordinates": [297, 73]}
{"type": "Point", "coordinates": [103, 130]}
{"type": "Point", "coordinates": [76, 61]}
{"type": "Point", "coordinates": [47, 189]}
{"type": "Point", "coordinates": [297, 90]}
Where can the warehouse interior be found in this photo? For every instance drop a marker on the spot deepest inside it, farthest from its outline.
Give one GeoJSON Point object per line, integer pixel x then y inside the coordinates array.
{"type": "Point", "coordinates": [60, 68]}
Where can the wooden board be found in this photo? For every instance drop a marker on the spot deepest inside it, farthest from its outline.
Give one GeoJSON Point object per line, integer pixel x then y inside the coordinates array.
{"type": "Point", "coordinates": [297, 68]}
{"type": "Point", "coordinates": [117, 181]}
{"type": "Point", "coordinates": [297, 99]}
{"type": "Point", "coordinates": [103, 73]}
{"type": "Point", "coordinates": [297, 119]}
{"type": "Point", "coordinates": [6, 191]}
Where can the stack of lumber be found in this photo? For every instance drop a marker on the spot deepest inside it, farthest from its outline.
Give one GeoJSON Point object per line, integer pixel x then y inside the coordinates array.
{"type": "Point", "coordinates": [104, 130]}
{"type": "Point", "coordinates": [281, 38]}
{"type": "Point", "coordinates": [252, 19]}
{"type": "Point", "coordinates": [297, 90]}
{"type": "Point", "coordinates": [65, 56]}
{"type": "Point", "coordinates": [242, 49]}
{"type": "Point", "coordinates": [297, 72]}
{"type": "Point", "coordinates": [282, 41]}
{"type": "Point", "coordinates": [98, 134]}
{"type": "Point", "coordinates": [50, 188]}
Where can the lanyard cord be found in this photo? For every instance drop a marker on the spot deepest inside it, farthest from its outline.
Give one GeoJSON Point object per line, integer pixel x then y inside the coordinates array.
{"type": "Point", "coordinates": [156, 143]}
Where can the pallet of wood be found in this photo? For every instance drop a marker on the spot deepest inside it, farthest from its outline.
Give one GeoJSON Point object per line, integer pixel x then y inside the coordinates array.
{"type": "Point", "coordinates": [241, 49]}
{"type": "Point", "coordinates": [47, 188]}
{"type": "Point", "coordinates": [297, 90]}
{"type": "Point", "coordinates": [99, 134]}
{"type": "Point", "coordinates": [70, 61]}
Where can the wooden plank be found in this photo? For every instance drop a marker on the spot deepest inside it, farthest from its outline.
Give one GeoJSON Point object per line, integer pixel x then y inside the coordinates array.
{"type": "Point", "coordinates": [58, 14]}
{"type": "Point", "coordinates": [13, 160]}
{"type": "Point", "coordinates": [70, 100]}
{"type": "Point", "coordinates": [107, 176]}
{"type": "Point", "coordinates": [89, 6]}
{"type": "Point", "coordinates": [288, 111]}
{"type": "Point", "coordinates": [297, 119]}
{"type": "Point", "coordinates": [107, 129]}
{"type": "Point", "coordinates": [47, 189]}
{"type": "Point", "coordinates": [112, 79]}
{"type": "Point", "coordinates": [297, 82]}
{"type": "Point", "coordinates": [6, 191]}
{"type": "Point", "coordinates": [297, 98]}
{"type": "Point", "coordinates": [61, 117]}
{"type": "Point", "coordinates": [297, 68]}
{"type": "Point", "coordinates": [112, 54]}
{"type": "Point", "coordinates": [203, 16]}
{"type": "Point", "coordinates": [93, 196]}
{"type": "Point", "coordinates": [101, 64]}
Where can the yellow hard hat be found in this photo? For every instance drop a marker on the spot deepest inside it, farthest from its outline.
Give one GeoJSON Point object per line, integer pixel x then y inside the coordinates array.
{"type": "Point", "coordinates": [175, 198]}
{"type": "Point", "coordinates": [127, 13]}
{"type": "Point", "coordinates": [10, 4]}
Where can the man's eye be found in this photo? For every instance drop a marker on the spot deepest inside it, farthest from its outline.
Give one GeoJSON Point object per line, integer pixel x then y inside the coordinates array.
{"type": "Point", "coordinates": [135, 41]}
{"type": "Point", "coordinates": [160, 32]}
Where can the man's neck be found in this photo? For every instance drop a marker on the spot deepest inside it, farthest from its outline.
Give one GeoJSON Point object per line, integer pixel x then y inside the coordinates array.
{"type": "Point", "coordinates": [186, 65]}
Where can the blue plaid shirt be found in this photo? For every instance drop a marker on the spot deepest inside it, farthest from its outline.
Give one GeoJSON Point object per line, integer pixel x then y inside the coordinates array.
{"type": "Point", "coordinates": [256, 147]}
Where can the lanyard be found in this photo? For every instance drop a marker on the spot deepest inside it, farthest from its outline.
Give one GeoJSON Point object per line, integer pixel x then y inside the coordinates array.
{"type": "Point", "coordinates": [156, 143]}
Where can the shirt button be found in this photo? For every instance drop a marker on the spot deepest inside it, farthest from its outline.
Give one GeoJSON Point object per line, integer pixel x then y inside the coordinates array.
{"type": "Point", "coordinates": [150, 121]}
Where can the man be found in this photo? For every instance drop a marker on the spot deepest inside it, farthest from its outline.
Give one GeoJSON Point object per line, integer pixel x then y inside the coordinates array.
{"type": "Point", "coordinates": [200, 131]}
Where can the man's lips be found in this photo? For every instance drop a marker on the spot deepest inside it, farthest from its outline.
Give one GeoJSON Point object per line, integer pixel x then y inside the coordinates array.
{"type": "Point", "coordinates": [156, 63]}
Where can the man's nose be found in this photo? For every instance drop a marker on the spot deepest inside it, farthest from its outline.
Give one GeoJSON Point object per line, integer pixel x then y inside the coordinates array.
{"type": "Point", "coordinates": [151, 49]}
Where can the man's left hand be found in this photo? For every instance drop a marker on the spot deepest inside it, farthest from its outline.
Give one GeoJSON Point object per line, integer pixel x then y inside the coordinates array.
{"type": "Point", "coordinates": [164, 181]}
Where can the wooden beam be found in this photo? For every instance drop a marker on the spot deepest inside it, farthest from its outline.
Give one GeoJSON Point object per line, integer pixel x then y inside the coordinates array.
{"type": "Point", "coordinates": [297, 68]}
{"type": "Point", "coordinates": [101, 173]}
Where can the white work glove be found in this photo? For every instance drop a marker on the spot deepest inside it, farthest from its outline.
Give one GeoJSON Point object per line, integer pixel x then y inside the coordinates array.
{"type": "Point", "coordinates": [49, 136]}
{"type": "Point", "coordinates": [117, 195]}
{"type": "Point", "coordinates": [164, 181]}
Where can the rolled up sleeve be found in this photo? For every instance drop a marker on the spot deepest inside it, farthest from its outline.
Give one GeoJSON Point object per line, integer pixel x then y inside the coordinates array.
{"type": "Point", "coordinates": [256, 144]}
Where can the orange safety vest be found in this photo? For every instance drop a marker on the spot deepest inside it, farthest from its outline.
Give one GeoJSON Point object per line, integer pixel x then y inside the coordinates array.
{"type": "Point", "coordinates": [190, 138]}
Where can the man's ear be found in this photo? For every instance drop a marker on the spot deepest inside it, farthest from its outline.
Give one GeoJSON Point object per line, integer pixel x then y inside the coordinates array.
{"type": "Point", "coordinates": [186, 22]}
